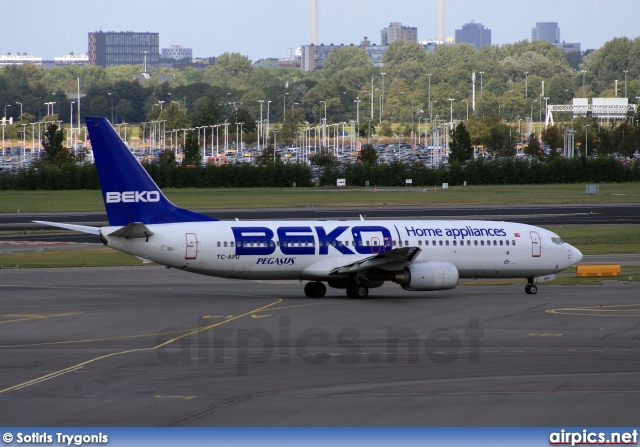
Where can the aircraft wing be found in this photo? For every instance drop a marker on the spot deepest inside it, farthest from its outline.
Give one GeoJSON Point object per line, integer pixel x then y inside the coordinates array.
{"type": "Point", "coordinates": [66, 226]}
{"type": "Point", "coordinates": [395, 256]}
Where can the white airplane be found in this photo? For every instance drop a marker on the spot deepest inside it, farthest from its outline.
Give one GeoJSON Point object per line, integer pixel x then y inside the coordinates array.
{"type": "Point", "coordinates": [419, 255]}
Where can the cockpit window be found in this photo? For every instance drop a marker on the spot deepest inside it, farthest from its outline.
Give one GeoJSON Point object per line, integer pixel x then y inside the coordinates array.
{"type": "Point", "coordinates": [557, 240]}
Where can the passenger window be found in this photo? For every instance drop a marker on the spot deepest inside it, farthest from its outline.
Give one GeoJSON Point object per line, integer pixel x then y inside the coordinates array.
{"type": "Point", "coordinates": [441, 244]}
{"type": "Point", "coordinates": [447, 243]}
{"type": "Point", "coordinates": [513, 242]}
{"type": "Point", "coordinates": [482, 243]}
{"type": "Point", "coordinates": [469, 243]}
{"type": "Point", "coordinates": [475, 243]}
{"type": "Point", "coordinates": [455, 243]}
{"type": "Point", "coordinates": [507, 242]}
{"type": "Point", "coordinates": [501, 243]}
{"type": "Point", "coordinates": [406, 243]}
{"type": "Point", "coordinates": [395, 243]}
{"type": "Point", "coordinates": [426, 242]}
{"type": "Point", "coordinates": [232, 243]}
{"type": "Point", "coordinates": [495, 242]}
{"type": "Point", "coordinates": [420, 243]}
{"type": "Point", "coordinates": [218, 243]}
{"type": "Point", "coordinates": [433, 242]}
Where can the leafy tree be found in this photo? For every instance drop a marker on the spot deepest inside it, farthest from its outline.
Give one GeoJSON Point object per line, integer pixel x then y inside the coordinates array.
{"type": "Point", "coordinates": [191, 150]}
{"type": "Point", "coordinates": [52, 141]}
{"type": "Point", "coordinates": [324, 159]}
{"type": "Point", "coordinates": [368, 154]}
{"type": "Point", "coordinates": [347, 57]}
{"type": "Point", "coordinates": [167, 157]}
{"type": "Point", "coordinates": [242, 115]}
{"type": "Point", "coordinates": [533, 147]}
{"type": "Point", "coordinates": [460, 145]}
{"type": "Point", "coordinates": [553, 137]}
{"type": "Point", "coordinates": [207, 111]}
{"type": "Point", "coordinates": [266, 156]}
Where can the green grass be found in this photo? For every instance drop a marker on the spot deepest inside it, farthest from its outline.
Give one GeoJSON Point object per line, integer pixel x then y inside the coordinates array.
{"type": "Point", "coordinates": [88, 257]}
{"type": "Point", "coordinates": [53, 201]}
{"type": "Point", "coordinates": [601, 239]}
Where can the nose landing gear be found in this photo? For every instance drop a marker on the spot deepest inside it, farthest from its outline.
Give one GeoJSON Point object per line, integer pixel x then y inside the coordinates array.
{"type": "Point", "coordinates": [530, 288]}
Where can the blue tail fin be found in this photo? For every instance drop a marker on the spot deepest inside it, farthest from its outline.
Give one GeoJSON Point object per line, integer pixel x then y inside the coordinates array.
{"type": "Point", "coordinates": [129, 193]}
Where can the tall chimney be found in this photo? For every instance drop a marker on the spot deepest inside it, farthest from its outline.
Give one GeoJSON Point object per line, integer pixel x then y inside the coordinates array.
{"type": "Point", "coordinates": [314, 22]}
{"type": "Point", "coordinates": [441, 20]}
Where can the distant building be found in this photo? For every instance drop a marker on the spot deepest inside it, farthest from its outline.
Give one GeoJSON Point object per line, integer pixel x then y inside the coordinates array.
{"type": "Point", "coordinates": [145, 74]}
{"type": "Point", "coordinates": [313, 56]}
{"type": "Point", "coordinates": [71, 59]}
{"type": "Point", "coordinates": [177, 53]}
{"type": "Point", "coordinates": [548, 31]}
{"type": "Point", "coordinates": [396, 31]}
{"type": "Point", "coordinates": [110, 49]}
{"type": "Point", "coordinates": [568, 47]}
{"type": "Point", "coordinates": [19, 59]}
{"type": "Point", "coordinates": [475, 34]}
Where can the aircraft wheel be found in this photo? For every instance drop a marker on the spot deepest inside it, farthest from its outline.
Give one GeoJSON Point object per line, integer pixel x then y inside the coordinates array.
{"type": "Point", "coordinates": [533, 289]}
{"type": "Point", "coordinates": [319, 289]}
{"type": "Point", "coordinates": [358, 291]}
{"type": "Point", "coordinates": [527, 289]}
{"type": "Point", "coordinates": [315, 289]}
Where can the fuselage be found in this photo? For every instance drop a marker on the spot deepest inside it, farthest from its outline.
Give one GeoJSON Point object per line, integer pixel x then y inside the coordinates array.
{"type": "Point", "coordinates": [313, 250]}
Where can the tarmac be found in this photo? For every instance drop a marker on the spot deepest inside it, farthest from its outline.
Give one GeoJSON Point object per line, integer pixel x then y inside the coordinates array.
{"type": "Point", "coordinates": [151, 346]}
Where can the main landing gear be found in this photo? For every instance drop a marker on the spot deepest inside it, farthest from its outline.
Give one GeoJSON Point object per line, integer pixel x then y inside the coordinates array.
{"type": "Point", "coordinates": [530, 288]}
{"type": "Point", "coordinates": [315, 289]}
{"type": "Point", "coordinates": [358, 290]}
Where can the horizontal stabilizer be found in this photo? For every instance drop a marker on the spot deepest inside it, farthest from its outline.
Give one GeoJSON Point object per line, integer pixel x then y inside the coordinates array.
{"type": "Point", "coordinates": [135, 230]}
{"type": "Point", "coordinates": [66, 226]}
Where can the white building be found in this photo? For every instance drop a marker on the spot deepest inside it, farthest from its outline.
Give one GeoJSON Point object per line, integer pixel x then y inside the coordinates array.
{"type": "Point", "coordinates": [71, 59]}
{"type": "Point", "coordinates": [19, 59]}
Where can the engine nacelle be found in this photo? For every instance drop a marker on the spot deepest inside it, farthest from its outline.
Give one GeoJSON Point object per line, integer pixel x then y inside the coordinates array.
{"type": "Point", "coordinates": [433, 275]}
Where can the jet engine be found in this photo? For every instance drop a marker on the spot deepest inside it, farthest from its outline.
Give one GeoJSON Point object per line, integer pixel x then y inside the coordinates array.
{"type": "Point", "coordinates": [434, 275]}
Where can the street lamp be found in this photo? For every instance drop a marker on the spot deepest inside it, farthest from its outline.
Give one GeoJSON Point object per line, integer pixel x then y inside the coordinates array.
{"type": "Point", "coordinates": [20, 109]}
{"type": "Point", "coordinates": [526, 77]}
{"type": "Point", "coordinates": [357, 101]}
{"type": "Point", "coordinates": [429, 100]}
{"type": "Point", "coordinates": [451, 111]}
{"type": "Point", "coordinates": [4, 124]}
{"type": "Point", "coordinates": [625, 82]}
{"type": "Point", "coordinates": [382, 97]}
{"type": "Point", "coordinates": [111, 96]}
{"type": "Point", "coordinates": [284, 108]}
{"type": "Point", "coordinates": [5, 110]}
{"type": "Point", "coordinates": [275, 143]}
{"type": "Point", "coordinates": [71, 122]}
{"type": "Point", "coordinates": [586, 140]}
{"type": "Point", "coordinates": [467, 101]}
{"type": "Point", "coordinates": [481, 73]}
{"type": "Point", "coordinates": [584, 72]}
{"type": "Point", "coordinates": [324, 125]}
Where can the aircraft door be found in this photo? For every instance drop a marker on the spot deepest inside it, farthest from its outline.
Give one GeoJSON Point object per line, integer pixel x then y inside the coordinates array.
{"type": "Point", "coordinates": [536, 245]}
{"type": "Point", "coordinates": [192, 246]}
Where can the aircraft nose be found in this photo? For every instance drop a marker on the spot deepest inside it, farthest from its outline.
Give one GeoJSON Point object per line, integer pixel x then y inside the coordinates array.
{"type": "Point", "coordinates": [576, 255]}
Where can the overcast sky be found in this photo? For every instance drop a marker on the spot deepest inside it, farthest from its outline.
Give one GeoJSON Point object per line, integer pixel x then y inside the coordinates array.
{"type": "Point", "coordinates": [266, 28]}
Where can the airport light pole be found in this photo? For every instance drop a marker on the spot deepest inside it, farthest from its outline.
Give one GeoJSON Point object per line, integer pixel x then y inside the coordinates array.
{"type": "Point", "coordinates": [526, 84]}
{"type": "Point", "coordinates": [625, 82]}
{"type": "Point", "coordinates": [584, 72]}
{"type": "Point", "coordinates": [451, 111]}
{"type": "Point", "coordinates": [586, 140]}
{"type": "Point", "coordinates": [20, 109]}
{"type": "Point", "coordinates": [111, 96]}
{"type": "Point", "coordinates": [429, 100]}
{"type": "Point", "coordinates": [382, 97]}
{"type": "Point", "coordinates": [481, 73]}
